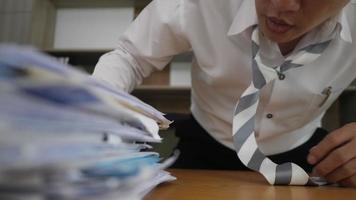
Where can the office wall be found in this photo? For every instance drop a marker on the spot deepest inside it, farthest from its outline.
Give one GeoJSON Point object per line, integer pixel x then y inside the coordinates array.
{"type": "Point", "coordinates": [90, 28]}
{"type": "Point", "coordinates": [180, 74]}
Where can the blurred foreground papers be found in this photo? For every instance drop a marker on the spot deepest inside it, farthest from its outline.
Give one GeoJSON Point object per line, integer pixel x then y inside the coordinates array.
{"type": "Point", "coordinates": [64, 135]}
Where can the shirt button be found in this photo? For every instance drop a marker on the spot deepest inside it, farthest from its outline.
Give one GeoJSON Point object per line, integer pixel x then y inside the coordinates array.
{"type": "Point", "coordinates": [281, 77]}
{"type": "Point", "coordinates": [269, 116]}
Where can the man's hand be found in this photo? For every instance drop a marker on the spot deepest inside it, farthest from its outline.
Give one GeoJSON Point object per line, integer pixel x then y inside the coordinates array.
{"type": "Point", "coordinates": [335, 156]}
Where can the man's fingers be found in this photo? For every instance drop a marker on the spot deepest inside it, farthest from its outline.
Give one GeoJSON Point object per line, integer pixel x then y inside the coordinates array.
{"type": "Point", "coordinates": [349, 182]}
{"type": "Point", "coordinates": [330, 142]}
{"type": "Point", "coordinates": [335, 159]}
{"type": "Point", "coordinates": [343, 172]}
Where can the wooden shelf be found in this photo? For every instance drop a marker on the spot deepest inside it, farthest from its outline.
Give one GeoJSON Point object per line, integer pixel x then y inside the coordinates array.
{"type": "Point", "coordinates": [98, 3]}
{"type": "Point", "coordinates": [167, 99]}
{"type": "Point", "coordinates": [165, 90]}
{"type": "Point", "coordinates": [87, 59]}
{"type": "Point", "coordinates": [96, 53]}
{"type": "Point", "coordinates": [162, 88]}
{"type": "Point", "coordinates": [78, 50]}
{"type": "Point", "coordinates": [78, 56]}
{"type": "Point", "coordinates": [351, 88]}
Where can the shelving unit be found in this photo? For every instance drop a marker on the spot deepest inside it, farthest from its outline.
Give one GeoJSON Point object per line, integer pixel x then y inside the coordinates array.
{"type": "Point", "coordinates": [84, 59]}
{"type": "Point", "coordinates": [87, 58]}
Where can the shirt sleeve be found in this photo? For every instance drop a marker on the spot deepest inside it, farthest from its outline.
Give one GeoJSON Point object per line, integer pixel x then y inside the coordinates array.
{"type": "Point", "coordinates": [149, 44]}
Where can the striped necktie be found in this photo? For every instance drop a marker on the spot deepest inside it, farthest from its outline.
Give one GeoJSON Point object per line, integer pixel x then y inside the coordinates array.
{"type": "Point", "coordinates": [245, 116]}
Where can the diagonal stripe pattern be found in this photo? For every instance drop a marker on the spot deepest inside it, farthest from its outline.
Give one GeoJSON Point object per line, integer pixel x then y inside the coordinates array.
{"type": "Point", "coordinates": [245, 116]}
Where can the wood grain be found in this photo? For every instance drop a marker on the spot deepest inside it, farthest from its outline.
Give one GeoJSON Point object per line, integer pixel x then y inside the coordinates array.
{"type": "Point", "coordinates": [239, 185]}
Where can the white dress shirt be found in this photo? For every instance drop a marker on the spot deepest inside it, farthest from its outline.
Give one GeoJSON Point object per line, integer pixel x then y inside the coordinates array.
{"type": "Point", "coordinates": [219, 34]}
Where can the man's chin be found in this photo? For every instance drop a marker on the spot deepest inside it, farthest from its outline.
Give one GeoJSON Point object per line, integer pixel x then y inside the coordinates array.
{"type": "Point", "coordinates": [279, 38]}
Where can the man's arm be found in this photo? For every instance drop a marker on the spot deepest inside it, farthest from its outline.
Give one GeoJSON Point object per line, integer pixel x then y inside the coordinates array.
{"type": "Point", "coordinates": [149, 44]}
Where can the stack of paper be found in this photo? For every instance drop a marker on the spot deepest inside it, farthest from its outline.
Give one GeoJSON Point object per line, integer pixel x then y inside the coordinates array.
{"type": "Point", "coordinates": [64, 135]}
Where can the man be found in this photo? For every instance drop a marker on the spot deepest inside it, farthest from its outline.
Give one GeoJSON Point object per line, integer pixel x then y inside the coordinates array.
{"type": "Point", "coordinates": [219, 33]}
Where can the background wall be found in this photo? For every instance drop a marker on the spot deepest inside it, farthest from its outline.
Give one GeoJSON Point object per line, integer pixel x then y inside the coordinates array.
{"type": "Point", "coordinates": [180, 74]}
{"type": "Point", "coordinates": [90, 28]}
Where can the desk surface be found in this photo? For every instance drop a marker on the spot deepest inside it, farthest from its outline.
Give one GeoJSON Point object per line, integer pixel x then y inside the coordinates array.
{"type": "Point", "coordinates": [237, 185]}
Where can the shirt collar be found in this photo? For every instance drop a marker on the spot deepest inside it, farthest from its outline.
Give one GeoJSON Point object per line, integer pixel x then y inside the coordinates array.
{"type": "Point", "coordinates": [246, 17]}
{"type": "Point", "coordinates": [345, 33]}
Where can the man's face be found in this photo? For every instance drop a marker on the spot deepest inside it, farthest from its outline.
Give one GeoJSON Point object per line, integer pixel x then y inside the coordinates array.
{"type": "Point", "coordinates": [284, 21]}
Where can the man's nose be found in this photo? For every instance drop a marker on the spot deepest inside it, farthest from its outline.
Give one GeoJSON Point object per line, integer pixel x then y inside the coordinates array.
{"type": "Point", "coordinates": [286, 5]}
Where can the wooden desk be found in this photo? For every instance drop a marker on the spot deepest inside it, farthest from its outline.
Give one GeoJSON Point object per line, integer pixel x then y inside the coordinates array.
{"type": "Point", "coordinates": [237, 185]}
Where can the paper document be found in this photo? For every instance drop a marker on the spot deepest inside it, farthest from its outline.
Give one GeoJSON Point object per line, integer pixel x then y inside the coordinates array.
{"type": "Point", "coordinates": [65, 135]}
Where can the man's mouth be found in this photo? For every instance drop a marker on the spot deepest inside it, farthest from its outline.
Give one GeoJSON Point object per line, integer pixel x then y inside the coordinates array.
{"type": "Point", "coordinates": [278, 25]}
